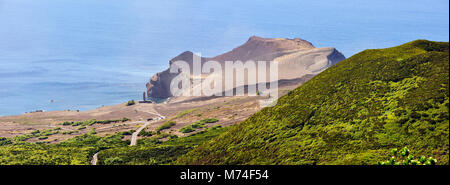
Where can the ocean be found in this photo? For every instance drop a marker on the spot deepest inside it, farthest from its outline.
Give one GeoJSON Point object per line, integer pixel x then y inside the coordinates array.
{"type": "Point", "coordinates": [80, 55]}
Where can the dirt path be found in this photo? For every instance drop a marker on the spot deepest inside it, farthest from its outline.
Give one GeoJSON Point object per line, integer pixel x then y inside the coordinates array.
{"type": "Point", "coordinates": [94, 159]}
{"type": "Point", "coordinates": [136, 133]}
{"type": "Point", "coordinates": [146, 123]}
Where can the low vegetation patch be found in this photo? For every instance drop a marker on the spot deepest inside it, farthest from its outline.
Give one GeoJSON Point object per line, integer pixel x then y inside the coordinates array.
{"type": "Point", "coordinates": [76, 151]}
{"type": "Point", "coordinates": [92, 122]}
{"type": "Point", "coordinates": [199, 124]}
{"type": "Point", "coordinates": [185, 113]}
{"type": "Point", "coordinates": [36, 134]}
{"type": "Point", "coordinates": [404, 157]}
{"type": "Point", "coordinates": [112, 149]}
{"type": "Point", "coordinates": [166, 125]}
{"type": "Point", "coordinates": [146, 133]}
{"type": "Point", "coordinates": [131, 102]}
{"type": "Point", "coordinates": [152, 151]}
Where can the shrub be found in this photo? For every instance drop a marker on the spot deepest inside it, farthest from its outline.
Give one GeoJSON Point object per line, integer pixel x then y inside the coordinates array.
{"type": "Point", "coordinates": [187, 129]}
{"type": "Point", "coordinates": [131, 102]}
{"type": "Point", "coordinates": [113, 161]}
{"type": "Point", "coordinates": [43, 137]}
{"type": "Point", "coordinates": [145, 133]}
{"type": "Point", "coordinates": [197, 124]}
{"type": "Point", "coordinates": [69, 132]}
{"type": "Point", "coordinates": [166, 125]}
{"type": "Point", "coordinates": [405, 158]}
{"type": "Point", "coordinates": [162, 135]}
{"type": "Point", "coordinates": [65, 123]}
{"type": "Point", "coordinates": [93, 131]}
{"type": "Point", "coordinates": [208, 120]}
{"type": "Point", "coordinates": [130, 132]}
{"type": "Point", "coordinates": [149, 141]}
{"type": "Point", "coordinates": [185, 112]}
{"type": "Point", "coordinates": [77, 123]}
{"type": "Point", "coordinates": [214, 127]}
{"type": "Point", "coordinates": [5, 141]}
{"type": "Point", "coordinates": [92, 122]}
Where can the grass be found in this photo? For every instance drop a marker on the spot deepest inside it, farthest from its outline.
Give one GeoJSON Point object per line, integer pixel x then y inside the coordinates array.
{"type": "Point", "coordinates": [35, 134]}
{"type": "Point", "coordinates": [166, 125]}
{"type": "Point", "coordinates": [199, 124]}
{"type": "Point", "coordinates": [75, 151]}
{"type": "Point", "coordinates": [146, 133]}
{"type": "Point", "coordinates": [152, 151]}
{"type": "Point", "coordinates": [92, 122]}
{"type": "Point", "coordinates": [170, 123]}
{"type": "Point", "coordinates": [183, 113]}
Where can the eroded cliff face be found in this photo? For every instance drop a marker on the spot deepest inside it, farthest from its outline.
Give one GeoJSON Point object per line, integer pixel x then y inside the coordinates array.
{"type": "Point", "coordinates": [159, 84]}
{"type": "Point", "coordinates": [295, 57]}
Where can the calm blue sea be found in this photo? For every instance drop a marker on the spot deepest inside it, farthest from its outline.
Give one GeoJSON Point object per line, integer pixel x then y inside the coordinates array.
{"type": "Point", "coordinates": [86, 53]}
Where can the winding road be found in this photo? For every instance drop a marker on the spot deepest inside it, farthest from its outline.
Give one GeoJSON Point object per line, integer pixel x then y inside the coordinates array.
{"type": "Point", "coordinates": [94, 159]}
{"type": "Point", "coordinates": [135, 134]}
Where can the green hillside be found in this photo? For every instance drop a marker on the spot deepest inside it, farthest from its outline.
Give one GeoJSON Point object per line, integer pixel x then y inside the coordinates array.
{"type": "Point", "coordinates": [152, 152]}
{"type": "Point", "coordinates": [355, 112]}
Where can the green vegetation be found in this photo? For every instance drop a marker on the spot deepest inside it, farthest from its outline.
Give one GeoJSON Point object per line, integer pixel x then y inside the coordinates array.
{"type": "Point", "coordinates": [208, 120]}
{"type": "Point", "coordinates": [113, 150]}
{"type": "Point", "coordinates": [166, 125]}
{"type": "Point", "coordinates": [405, 158]}
{"type": "Point", "coordinates": [162, 135]}
{"type": "Point", "coordinates": [131, 102]}
{"type": "Point", "coordinates": [75, 151]}
{"type": "Point", "coordinates": [93, 131]}
{"type": "Point", "coordinates": [149, 141]}
{"type": "Point", "coordinates": [171, 123]}
{"type": "Point", "coordinates": [184, 113]}
{"type": "Point", "coordinates": [69, 132]}
{"type": "Point", "coordinates": [214, 127]}
{"type": "Point", "coordinates": [152, 151]}
{"type": "Point", "coordinates": [352, 113]}
{"type": "Point", "coordinates": [5, 141]}
{"type": "Point", "coordinates": [81, 127]}
{"type": "Point", "coordinates": [113, 161]}
{"type": "Point", "coordinates": [187, 129]}
{"type": "Point", "coordinates": [146, 133]}
{"type": "Point", "coordinates": [92, 122]}
{"type": "Point", "coordinates": [199, 124]}
{"type": "Point", "coordinates": [130, 132]}
{"type": "Point", "coordinates": [36, 134]}
{"type": "Point", "coordinates": [173, 136]}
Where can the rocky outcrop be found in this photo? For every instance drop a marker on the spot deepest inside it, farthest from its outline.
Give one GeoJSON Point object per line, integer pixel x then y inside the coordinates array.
{"type": "Point", "coordinates": [159, 84]}
{"type": "Point", "coordinates": [295, 57]}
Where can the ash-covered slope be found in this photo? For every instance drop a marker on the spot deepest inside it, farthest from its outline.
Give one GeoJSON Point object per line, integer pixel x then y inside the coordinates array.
{"type": "Point", "coordinates": [296, 58]}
